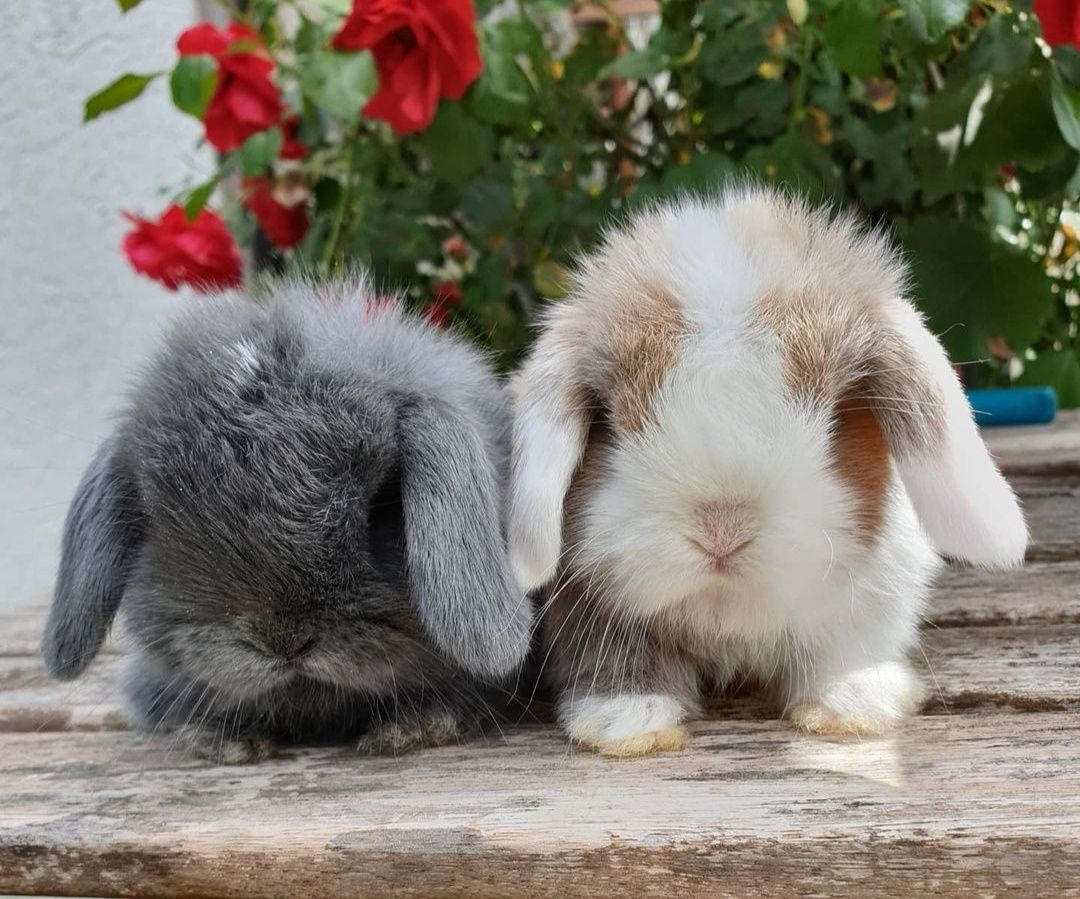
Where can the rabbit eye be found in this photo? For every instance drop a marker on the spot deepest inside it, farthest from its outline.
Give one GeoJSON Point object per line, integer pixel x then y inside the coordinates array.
{"type": "Point", "coordinates": [385, 516]}
{"type": "Point", "coordinates": [600, 421]}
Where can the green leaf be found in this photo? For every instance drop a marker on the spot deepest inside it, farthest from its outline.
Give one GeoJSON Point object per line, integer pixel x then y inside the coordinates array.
{"type": "Point", "coordinates": [1059, 369]}
{"type": "Point", "coordinates": [763, 106]}
{"type": "Point", "coordinates": [930, 19]}
{"type": "Point", "coordinates": [127, 5]}
{"type": "Point", "coordinates": [964, 135]}
{"type": "Point", "coordinates": [339, 83]}
{"type": "Point", "coordinates": [488, 204]}
{"type": "Point", "coordinates": [704, 172]}
{"type": "Point", "coordinates": [196, 200]}
{"type": "Point", "coordinates": [541, 209]}
{"type": "Point", "coordinates": [853, 35]}
{"type": "Point", "coordinates": [456, 144]}
{"type": "Point", "coordinates": [730, 57]}
{"type": "Point", "coordinates": [123, 90]}
{"type": "Point", "coordinates": [1001, 47]}
{"type": "Point", "coordinates": [335, 7]}
{"type": "Point", "coordinates": [260, 150]}
{"type": "Point", "coordinates": [1047, 182]}
{"type": "Point", "coordinates": [973, 287]}
{"type": "Point", "coordinates": [796, 162]}
{"type": "Point", "coordinates": [1067, 59]}
{"type": "Point", "coordinates": [881, 143]}
{"type": "Point", "coordinates": [637, 64]}
{"type": "Point", "coordinates": [193, 82]}
{"type": "Point", "coordinates": [1066, 103]}
{"type": "Point", "coordinates": [551, 279]}
{"type": "Point", "coordinates": [503, 94]}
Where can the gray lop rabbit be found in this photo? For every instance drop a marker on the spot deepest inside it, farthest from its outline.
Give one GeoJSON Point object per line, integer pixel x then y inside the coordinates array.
{"type": "Point", "coordinates": [299, 517]}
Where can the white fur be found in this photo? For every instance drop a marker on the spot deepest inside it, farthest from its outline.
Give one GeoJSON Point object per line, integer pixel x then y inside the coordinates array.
{"type": "Point", "coordinates": [863, 700]}
{"type": "Point", "coordinates": [964, 503]}
{"type": "Point", "coordinates": [546, 454]}
{"type": "Point", "coordinates": [810, 605]}
{"type": "Point", "coordinates": [610, 720]}
{"type": "Point", "coordinates": [548, 441]}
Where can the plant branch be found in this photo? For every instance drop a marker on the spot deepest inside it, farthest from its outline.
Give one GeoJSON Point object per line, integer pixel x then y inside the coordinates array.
{"type": "Point", "coordinates": [347, 195]}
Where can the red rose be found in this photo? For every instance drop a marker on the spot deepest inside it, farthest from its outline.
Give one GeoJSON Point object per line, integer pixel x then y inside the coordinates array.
{"type": "Point", "coordinates": [245, 100]}
{"type": "Point", "coordinates": [175, 251]}
{"type": "Point", "coordinates": [447, 298]}
{"type": "Point", "coordinates": [423, 49]}
{"type": "Point", "coordinates": [284, 225]}
{"type": "Point", "coordinates": [1060, 21]}
{"type": "Point", "coordinates": [292, 147]}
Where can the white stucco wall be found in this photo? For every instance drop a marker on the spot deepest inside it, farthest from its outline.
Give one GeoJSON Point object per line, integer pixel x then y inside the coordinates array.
{"type": "Point", "coordinates": [75, 320]}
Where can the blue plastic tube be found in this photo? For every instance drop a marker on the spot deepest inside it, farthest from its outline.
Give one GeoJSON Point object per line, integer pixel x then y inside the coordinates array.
{"type": "Point", "coordinates": [1013, 406]}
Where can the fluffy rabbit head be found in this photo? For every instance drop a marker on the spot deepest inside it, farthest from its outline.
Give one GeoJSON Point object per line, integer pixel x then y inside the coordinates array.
{"type": "Point", "coordinates": [307, 490]}
{"type": "Point", "coordinates": [729, 397]}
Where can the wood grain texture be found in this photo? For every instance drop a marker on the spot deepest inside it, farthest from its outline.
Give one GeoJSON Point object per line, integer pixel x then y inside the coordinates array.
{"type": "Point", "coordinates": [978, 795]}
{"type": "Point", "coordinates": [1044, 450]}
{"type": "Point", "coordinates": [987, 802]}
{"type": "Point", "coordinates": [1052, 507]}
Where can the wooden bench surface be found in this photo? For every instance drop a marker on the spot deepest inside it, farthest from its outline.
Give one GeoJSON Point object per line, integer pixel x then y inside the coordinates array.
{"type": "Point", "coordinates": [979, 794]}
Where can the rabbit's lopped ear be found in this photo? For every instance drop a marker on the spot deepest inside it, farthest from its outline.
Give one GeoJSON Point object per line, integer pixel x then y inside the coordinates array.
{"type": "Point", "coordinates": [100, 536]}
{"type": "Point", "coordinates": [960, 496]}
{"type": "Point", "coordinates": [456, 556]}
{"type": "Point", "coordinates": [551, 426]}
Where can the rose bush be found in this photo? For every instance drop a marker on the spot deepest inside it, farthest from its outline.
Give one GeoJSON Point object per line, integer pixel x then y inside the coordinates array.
{"type": "Point", "coordinates": [465, 153]}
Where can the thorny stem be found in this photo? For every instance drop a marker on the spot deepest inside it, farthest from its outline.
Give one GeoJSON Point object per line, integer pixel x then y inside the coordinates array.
{"type": "Point", "coordinates": [798, 106]}
{"type": "Point", "coordinates": [346, 200]}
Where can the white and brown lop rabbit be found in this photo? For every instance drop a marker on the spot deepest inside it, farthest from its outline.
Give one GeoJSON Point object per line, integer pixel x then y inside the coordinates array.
{"type": "Point", "coordinates": [738, 452]}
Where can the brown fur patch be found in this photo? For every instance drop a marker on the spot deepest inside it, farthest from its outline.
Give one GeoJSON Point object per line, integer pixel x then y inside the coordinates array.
{"type": "Point", "coordinates": [836, 349]}
{"type": "Point", "coordinates": [634, 343]}
{"type": "Point", "coordinates": [860, 458]}
{"type": "Point", "coordinates": [608, 354]}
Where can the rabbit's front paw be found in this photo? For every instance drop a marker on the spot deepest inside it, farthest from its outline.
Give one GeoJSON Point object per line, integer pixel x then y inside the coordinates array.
{"type": "Point", "coordinates": [213, 746]}
{"type": "Point", "coordinates": [863, 703]}
{"type": "Point", "coordinates": [435, 727]}
{"type": "Point", "coordinates": [626, 725]}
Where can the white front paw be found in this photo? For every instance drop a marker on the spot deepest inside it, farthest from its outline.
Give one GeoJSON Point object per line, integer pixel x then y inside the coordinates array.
{"type": "Point", "coordinates": [865, 702]}
{"type": "Point", "coordinates": [629, 724]}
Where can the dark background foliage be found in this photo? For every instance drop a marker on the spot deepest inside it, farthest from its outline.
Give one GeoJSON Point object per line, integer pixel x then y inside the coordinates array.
{"type": "Point", "coordinates": [949, 121]}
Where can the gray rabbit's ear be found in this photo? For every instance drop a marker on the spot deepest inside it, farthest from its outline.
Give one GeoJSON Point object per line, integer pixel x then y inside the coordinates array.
{"type": "Point", "coordinates": [456, 556]}
{"type": "Point", "coordinates": [100, 536]}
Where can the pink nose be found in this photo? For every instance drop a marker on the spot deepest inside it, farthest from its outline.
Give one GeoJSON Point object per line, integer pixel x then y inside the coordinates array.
{"type": "Point", "coordinates": [722, 531]}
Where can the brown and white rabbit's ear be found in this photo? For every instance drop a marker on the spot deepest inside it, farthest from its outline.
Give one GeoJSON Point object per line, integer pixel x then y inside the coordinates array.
{"type": "Point", "coordinates": [963, 501]}
{"type": "Point", "coordinates": [101, 535]}
{"type": "Point", "coordinates": [456, 558]}
{"type": "Point", "coordinates": [551, 424]}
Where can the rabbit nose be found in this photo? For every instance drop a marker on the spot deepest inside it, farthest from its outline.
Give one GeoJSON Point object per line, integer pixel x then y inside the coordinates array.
{"type": "Point", "coordinates": [723, 530]}
{"type": "Point", "coordinates": [298, 645]}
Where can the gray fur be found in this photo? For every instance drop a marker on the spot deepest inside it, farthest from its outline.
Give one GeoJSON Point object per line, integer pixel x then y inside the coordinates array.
{"type": "Point", "coordinates": [302, 509]}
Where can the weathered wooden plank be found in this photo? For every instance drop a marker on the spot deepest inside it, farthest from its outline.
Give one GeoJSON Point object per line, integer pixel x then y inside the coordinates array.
{"type": "Point", "coordinates": [32, 701]}
{"type": "Point", "coordinates": [1024, 666]}
{"type": "Point", "coordinates": [961, 803]}
{"type": "Point", "coordinates": [1052, 507]}
{"type": "Point", "coordinates": [1045, 450]}
{"type": "Point", "coordinates": [1038, 593]}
